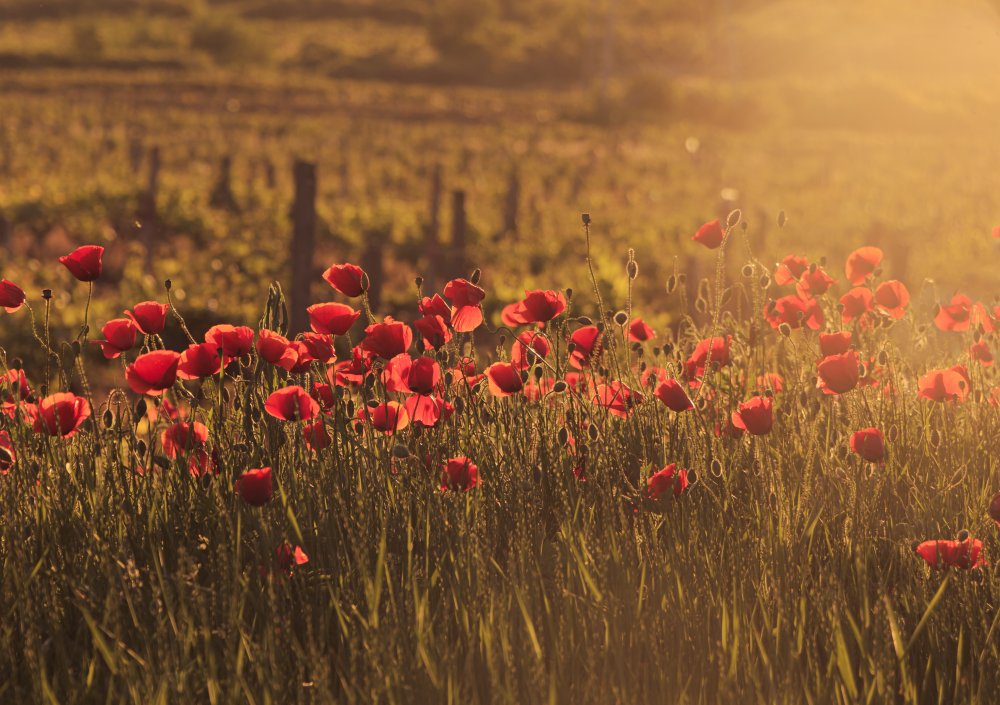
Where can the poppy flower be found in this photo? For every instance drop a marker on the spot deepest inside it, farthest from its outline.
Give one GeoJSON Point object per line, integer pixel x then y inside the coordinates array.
{"type": "Point", "coordinates": [667, 481]}
{"type": "Point", "coordinates": [434, 330]}
{"type": "Point", "coordinates": [838, 374]}
{"type": "Point", "coordinates": [529, 347]}
{"type": "Point", "coordinates": [286, 557]}
{"type": "Point", "coordinates": [540, 306]}
{"type": "Point", "coordinates": [14, 386]}
{"type": "Point", "coordinates": [981, 353]}
{"type": "Point", "coordinates": [387, 417]}
{"type": "Point", "coordinates": [182, 438]}
{"type": "Point", "coordinates": [586, 342]}
{"type": "Point", "coordinates": [84, 263]}
{"type": "Point", "coordinates": [711, 234]}
{"type": "Point", "coordinates": [862, 263]}
{"type": "Point", "coordinates": [149, 316]}
{"type": "Point", "coordinates": [119, 336]}
{"type": "Point", "coordinates": [713, 351]}
{"type": "Point", "coordinates": [834, 343]}
{"type": "Point", "coordinates": [235, 341]}
{"type": "Point", "coordinates": [504, 379]}
{"type": "Point", "coordinates": [994, 509]}
{"type": "Point", "coordinates": [291, 403]}
{"type": "Point", "coordinates": [332, 318]}
{"type": "Point", "coordinates": [617, 398]}
{"type": "Point", "coordinates": [639, 331]}
{"type": "Point", "coordinates": [198, 361]}
{"type": "Point", "coordinates": [512, 315]}
{"type": "Point", "coordinates": [962, 314]}
{"type": "Point", "coordinates": [387, 339]}
{"type": "Point", "coordinates": [153, 373]}
{"type": "Point", "coordinates": [7, 455]}
{"type": "Point", "coordinates": [316, 436]}
{"type": "Point", "coordinates": [412, 376]}
{"type": "Point", "coordinates": [674, 396]}
{"type": "Point", "coordinates": [255, 487]}
{"type": "Point", "coordinates": [318, 347]}
{"type": "Point", "coordinates": [423, 409]}
{"type": "Point", "coordinates": [856, 303]}
{"type": "Point", "coordinates": [348, 279]}
{"type": "Point", "coordinates": [11, 296]}
{"type": "Point", "coordinates": [466, 297]}
{"type": "Point", "coordinates": [790, 270]}
{"type": "Point", "coordinates": [276, 349]}
{"type": "Point", "coordinates": [869, 444]}
{"type": "Point", "coordinates": [755, 416]}
{"type": "Point", "coordinates": [61, 414]}
{"type": "Point", "coordinates": [459, 474]}
{"type": "Point", "coordinates": [201, 463]}
{"type": "Point", "coordinates": [771, 381]}
{"type": "Point", "coordinates": [435, 306]}
{"type": "Point", "coordinates": [814, 282]}
{"type": "Point", "coordinates": [350, 373]}
{"type": "Point", "coordinates": [892, 297]}
{"type": "Point", "coordinates": [796, 312]}
{"type": "Point", "coordinates": [965, 554]}
{"type": "Point", "coordinates": [944, 385]}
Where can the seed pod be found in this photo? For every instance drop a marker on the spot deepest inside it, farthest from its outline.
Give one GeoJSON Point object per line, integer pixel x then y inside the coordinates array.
{"type": "Point", "coordinates": [140, 410]}
{"type": "Point", "coordinates": [671, 283]}
{"type": "Point", "coordinates": [560, 386]}
{"type": "Point", "coordinates": [593, 432]}
{"type": "Point", "coordinates": [569, 293]}
{"type": "Point", "coordinates": [585, 217]}
{"type": "Point", "coordinates": [47, 294]}
{"type": "Point", "coordinates": [883, 358]}
{"type": "Point", "coordinates": [419, 281]}
{"type": "Point", "coordinates": [621, 318]}
{"type": "Point", "coordinates": [764, 281]}
{"type": "Point", "coordinates": [963, 535]}
{"type": "Point", "coordinates": [747, 271]}
{"type": "Point", "coordinates": [350, 407]}
{"type": "Point", "coordinates": [785, 330]}
{"type": "Point", "coordinates": [109, 418]}
{"type": "Point", "coordinates": [935, 438]}
{"type": "Point", "coordinates": [477, 274]}
{"type": "Point", "coordinates": [733, 219]}
{"type": "Point", "coordinates": [716, 467]}
{"type": "Point", "coordinates": [140, 448]}
{"type": "Point", "coordinates": [400, 451]}
{"type": "Point", "coordinates": [632, 268]}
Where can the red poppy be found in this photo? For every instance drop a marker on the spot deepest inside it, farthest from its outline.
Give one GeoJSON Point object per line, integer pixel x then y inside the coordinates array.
{"type": "Point", "coordinates": [459, 474]}
{"type": "Point", "coordinates": [529, 347]}
{"type": "Point", "coordinates": [276, 349]}
{"type": "Point", "coordinates": [199, 360]}
{"type": "Point", "coordinates": [981, 353]}
{"type": "Point", "coordinates": [387, 417]}
{"type": "Point", "coordinates": [332, 318]}
{"type": "Point", "coordinates": [617, 398]}
{"type": "Point", "coordinates": [84, 263]}
{"type": "Point", "coordinates": [540, 305]}
{"type": "Point", "coordinates": [711, 234]}
{"type": "Point", "coordinates": [466, 297]}
{"type": "Point", "coordinates": [149, 316]}
{"type": "Point", "coordinates": [7, 455]}
{"type": "Point", "coordinates": [286, 557]}
{"type": "Point", "coordinates": [834, 343]}
{"type": "Point", "coordinates": [586, 342]}
{"type": "Point", "coordinates": [771, 381]}
{"type": "Point", "coordinates": [153, 373]}
{"type": "Point", "coordinates": [412, 376]}
{"type": "Point", "coordinates": [317, 347]}
{"type": "Point", "coordinates": [892, 297]}
{"type": "Point", "coordinates": [255, 487]}
{"type": "Point", "coordinates": [796, 312]}
{"type": "Point", "coordinates": [673, 395]}
{"type": "Point", "coordinates": [182, 438]}
{"type": "Point", "coordinates": [435, 306]}
{"type": "Point", "coordinates": [838, 374]}
{"type": "Point", "coordinates": [856, 303]}
{"type": "Point", "coordinates": [814, 282]}
{"type": "Point", "coordinates": [61, 414]}
{"type": "Point", "coordinates": [235, 341]}
{"type": "Point", "coordinates": [423, 409]}
{"type": "Point", "coordinates": [862, 263]}
{"type": "Point", "coordinates": [755, 416]}
{"type": "Point", "coordinates": [790, 270]}
{"type": "Point", "coordinates": [996, 231]}
{"type": "Point", "coordinates": [869, 444]}
{"type": "Point", "coordinates": [945, 385]}
{"type": "Point", "coordinates": [714, 351]}
{"type": "Point", "coordinates": [119, 336]}
{"type": "Point", "coordinates": [14, 386]}
{"type": "Point", "coordinates": [512, 315]}
{"type": "Point", "coordinates": [434, 330]}
{"type": "Point", "coordinates": [348, 279]}
{"type": "Point", "coordinates": [387, 339]}
{"type": "Point", "coordinates": [952, 554]}
{"type": "Point", "coordinates": [504, 379]}
{"type": "Point", "coordinates": [291, 403]}
{"type": "Point", "coordinates": [316, 436]}
{"type": "Point", "coordinates": [350, 373]}
{"type": "Point", "coordinates": [667, 481]}
{"type": "Point", "coordinates": [201, 463]}
{"type": "Point", "coordinates": [639, 331]}
{"type": "Point", "coordinates": [11, 296]}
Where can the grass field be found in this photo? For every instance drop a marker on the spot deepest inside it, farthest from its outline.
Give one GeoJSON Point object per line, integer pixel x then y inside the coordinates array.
{"type": "Point", "coordinates": [293, 519]}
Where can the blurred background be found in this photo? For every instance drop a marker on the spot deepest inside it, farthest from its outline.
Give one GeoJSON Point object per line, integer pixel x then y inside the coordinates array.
{"type": "Point", "coordinates": [450, 134]}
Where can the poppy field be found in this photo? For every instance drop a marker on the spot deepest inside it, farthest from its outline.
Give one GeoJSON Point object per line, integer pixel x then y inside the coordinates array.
{"type": "Point", "coordinates": [787, 495]}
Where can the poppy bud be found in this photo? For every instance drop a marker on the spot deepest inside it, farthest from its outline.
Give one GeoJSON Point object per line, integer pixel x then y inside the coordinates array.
{"type": "Point", "coordinates": [994, 510]}
{"type": "Point", "coordinates": [632, 269]}
{"type": "Point", "coordinates": [692, 477]}
{"type": "Point", "coordinates": [369, 381]}
{"type": "Point", "coordinates": [503, 339]}
{"type": "Point", "coordinates": [140, 448]}
{"type": "Point", "coordinates": [716, 467]}
{"type": "Point", "coordinates": [419, 281]}
{"type": "Point", "coordinates": [75, 346]}
{"type": "Point", "coordinates": [585, 320]}
{"type": "Point", "coordinates": [682, 279]}
{"type": "Point", "coordinates": [459, 405]}
{"type": "Point", "coordinates": [671, 283]}
{"type": "Point", "coordinates": [747, 271]}
{"type": "Point", "coordinates": [744, 225]}
{"type": "Point", "coordinates": [538, 373]}
{"type": "Point", "coordinates": [400, 451]}
{"type": "Point", "coordinates": [140, 409]}
{"type": "Point", "coordinates": [593, 432]}
{"type": "Point", "coordinates": [657, 351]}
{"type": "Point", "coordinates": [782, 219]}
{"type": "Point", "coordinates": [600, 326]}
{"type": "Point", "coordinates": [700, 305]}
{"type": "Point", "coordinates": [569, 294]}
{"type": "Point", "coordinates": [914, 545]}
{"type": "Point", "coordinates": [668, 348]}
{"type": "Point", "coordinates": [560, 387]}
{"type": "Point", "coordinates": [733, 219]}
{"type": "Point", "coordinates": [621, 318]}
{"type": "Point", "coordinates": [785, 330]}
{"type": "Point", "coordinates": [570, 347]}
{"type": "Point", "coordinates": [372, 404]}
{"type": "Point", "coordinates": [883, 358]}
{"type": "Point", "coordinates": [167, 284]}
{"type": "Point", "coordinates": [935, 438]}
{"type": "Point", "coordinates": [524, 376]}
{"type": "Point", "coordinates": [764, 281]}
{"type": "Point", "coordinates": [350, 407]}
{"type": "Point", "coordinates": [108, 418]}
{"type": "Point", "coordinates": [449, 378]}
{"type": "Point", "coordinates": [862, 370]}
{"type": "Point", "coordinates": [586, 218]}
{"type": "Point", "coordinates": [963, 535]}
{"type": "Point", "coordinates": [893, 433]}
{"type": "Point", "coordinates": [477, 274]}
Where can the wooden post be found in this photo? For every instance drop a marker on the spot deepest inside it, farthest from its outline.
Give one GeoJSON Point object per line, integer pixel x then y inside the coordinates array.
{"type": "Point", "coordinates": [303, 242]}
{"type": "Point", "coordinates": [458, 234]}
{"type": "Point", "coordinates": [432, 235]}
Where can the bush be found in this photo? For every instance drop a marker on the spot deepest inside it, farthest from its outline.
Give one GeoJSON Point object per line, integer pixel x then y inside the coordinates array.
{"type": "Point", "coordinates": [227, 39]}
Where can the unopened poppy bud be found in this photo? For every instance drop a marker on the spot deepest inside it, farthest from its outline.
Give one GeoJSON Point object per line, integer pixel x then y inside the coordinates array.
{"type": "Point", "coordinates": [600, 326]}
{"type": "Point", "coordinates": [593, 432]}
{"type": "Point", "coordinates": [140, 448]}
{"type": "Point", "coordinates": [350, 407]}
{"type": "Point", "coordinates": [538, 373]}
{"type": "Point", "coordinates": [782, 219]}
{"type": "Point", "coordinates": [893, 433]}
{"type": "Point", "coordinates": [524, 376]}
{"type": "Point", "coordinates": [369, 381]}
{"type": "Point", "coordinates": [365, 283]}
{"type": "Point", "coordinates": [400, 451]}
{"type": "Point", "coordinates": [747, 271]}
{"type": "Point", "coordinates": [671, 283]}
{"type": "Point", "coordinates": [963, 535]}
{"type": "Point", "coordinates": [569, 294]}
{"type": "Point", "coordinates": [621, 318]}
{"type": "Point", "coordinates": [657, 351]}
{"type": "Point", "coordinates": [700, 305]}
{"type": "Point", "coordinates": [668, 348]}
{"type": "Point", "coordinates": [449, 378]}
{"type": "Point", "coordinates": [862, 370]}
{"type": "Point", "coordinates": [785, 330]}
{"type": "Point", "coordinates": [682, 279]}
{"type": "Point", "coordinates": [140, 409]}
{"type": "Point", "coordinates": [935, 438]}
{"type": "Point", "coordinates": [716, 467]}
{"type": "Point", "coordinates": [822, 261]}
{"type": "Point", "coordinates": [585, 217]}
{"type": "Point", "coordinates": [44, 390]}
{"type": "Point", "coordinates": [563, 436]}
{"type": "Point", "coordinates": [632, 268]}
{"type": "Point", "coordinates": [692, 477]}
{"type": "Point", "coordinates": [734, 218]}
{"type": "Point", "coordinates": [419, 281]}
{"type": "Point", "coordinates": [764, 281]}
{"type": "Point", "coordinates": [477, 274]}
{"type": "Point", "coordinates": [167, 284]}
{"type": "Point", "coordinates": [459, 405]}
{"type": "Point", "coordinates": [109, 418]}
{"type": "Point", "coordinates": [570, 347]}
{"type": "Point", "coordinates": [883, 358]}
{"type": "Point", "coordinates": [560, 387]}
{"type": "Point", "coordinates": [46, 294]}
{"type": "Point", "coordinates": [914, 545]}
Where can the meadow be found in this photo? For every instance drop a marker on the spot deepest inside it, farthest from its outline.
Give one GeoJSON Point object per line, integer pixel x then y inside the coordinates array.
{"type": "Point", "coordinates": [702, 408]}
